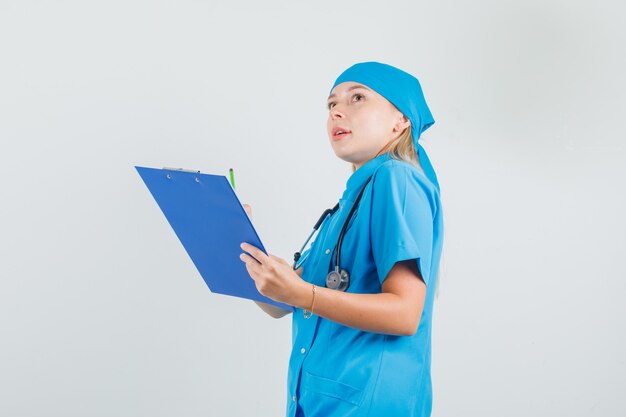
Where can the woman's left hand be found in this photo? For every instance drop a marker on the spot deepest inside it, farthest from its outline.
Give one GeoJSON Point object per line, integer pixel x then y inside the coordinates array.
{"type": "Point", "coordinates": [273, 276]}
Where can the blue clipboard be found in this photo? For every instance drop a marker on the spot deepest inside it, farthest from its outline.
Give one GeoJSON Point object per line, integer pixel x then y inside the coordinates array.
{"type": "Point", "coordinates": [210, 222]}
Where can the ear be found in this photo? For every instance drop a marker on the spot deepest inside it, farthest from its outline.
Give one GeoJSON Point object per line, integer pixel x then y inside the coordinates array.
{"type": "Point", "coordinates": [402, 123]}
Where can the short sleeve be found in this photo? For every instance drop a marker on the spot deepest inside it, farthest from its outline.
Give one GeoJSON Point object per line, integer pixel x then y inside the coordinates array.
{"type": "Point", "coordinates": [401, 222]}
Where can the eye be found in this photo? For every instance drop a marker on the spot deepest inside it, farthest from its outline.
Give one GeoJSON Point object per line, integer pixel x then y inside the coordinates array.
{"type": "Point", "coordinates": [357, 94]}
{"type": "Point", "coordinates": [330, 105]}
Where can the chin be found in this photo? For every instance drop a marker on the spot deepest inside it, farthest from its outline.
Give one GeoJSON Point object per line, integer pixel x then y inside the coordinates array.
{"type": "Point", "coordinates": [345, 156]}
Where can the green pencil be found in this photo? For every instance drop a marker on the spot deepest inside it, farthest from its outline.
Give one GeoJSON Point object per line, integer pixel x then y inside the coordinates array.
{"type": "Point", "coordinates": [232, 178]}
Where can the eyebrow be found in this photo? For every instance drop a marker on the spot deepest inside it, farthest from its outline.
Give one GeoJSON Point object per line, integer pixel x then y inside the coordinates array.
{"type": "Point", "coordinates": [350, 89]}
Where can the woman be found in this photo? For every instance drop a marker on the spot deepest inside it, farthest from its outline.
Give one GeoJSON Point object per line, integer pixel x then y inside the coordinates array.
{"type": "Point", "coordinates": [362, 338]}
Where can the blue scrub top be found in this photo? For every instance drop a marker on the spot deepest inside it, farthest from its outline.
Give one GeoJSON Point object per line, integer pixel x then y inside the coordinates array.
{"type": "Point", "coordinates": [335, 370]}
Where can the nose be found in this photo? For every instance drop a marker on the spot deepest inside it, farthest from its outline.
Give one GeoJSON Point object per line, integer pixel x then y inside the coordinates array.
{"type": "Point", "coordinates": [335, 113]}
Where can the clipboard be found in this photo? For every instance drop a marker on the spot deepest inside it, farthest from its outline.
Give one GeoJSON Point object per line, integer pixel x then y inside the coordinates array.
{"type": "Point", "coordinates": [210, 222]}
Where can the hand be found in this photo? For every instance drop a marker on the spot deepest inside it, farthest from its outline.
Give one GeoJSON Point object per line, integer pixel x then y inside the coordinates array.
{"type": "Point", "coordinates": [248, 210]}
{"type": "Point", "coordinates": [274, 277]}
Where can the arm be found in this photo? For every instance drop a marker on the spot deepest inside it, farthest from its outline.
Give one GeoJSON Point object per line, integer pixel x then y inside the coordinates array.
{"type": "Point", "coordinates": [397, 310]}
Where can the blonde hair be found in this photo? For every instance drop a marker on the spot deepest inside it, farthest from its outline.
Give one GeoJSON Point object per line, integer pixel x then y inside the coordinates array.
{"type": "Point", "coordinates": [402, 149]}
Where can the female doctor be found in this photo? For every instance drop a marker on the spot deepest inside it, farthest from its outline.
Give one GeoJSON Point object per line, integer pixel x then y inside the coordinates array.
{"type": "Point", "coordinates": [364, 290]}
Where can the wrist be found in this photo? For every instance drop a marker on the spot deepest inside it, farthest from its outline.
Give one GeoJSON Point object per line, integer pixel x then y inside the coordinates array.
{"type": "Point", "coordinates": [304, 295]}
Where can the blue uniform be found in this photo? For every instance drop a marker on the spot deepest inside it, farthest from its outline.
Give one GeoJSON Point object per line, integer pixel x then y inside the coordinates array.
{"type": "Point", "coordinates": [335, 370]}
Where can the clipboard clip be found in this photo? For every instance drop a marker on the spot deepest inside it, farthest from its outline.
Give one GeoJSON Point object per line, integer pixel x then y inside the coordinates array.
{"type": "Point", "coordinates": [180, 169]}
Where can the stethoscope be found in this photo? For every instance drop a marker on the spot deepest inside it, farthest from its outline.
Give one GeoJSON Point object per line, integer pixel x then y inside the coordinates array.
{"type": "Point", "coordinates": [338, 278]}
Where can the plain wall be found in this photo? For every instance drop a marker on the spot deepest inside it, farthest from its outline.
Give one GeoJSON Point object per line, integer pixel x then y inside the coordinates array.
{"type": "Point", "coordinates": [102, 312]}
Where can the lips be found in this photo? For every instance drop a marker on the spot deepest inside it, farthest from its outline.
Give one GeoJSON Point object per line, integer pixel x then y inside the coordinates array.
{"type": "Point", "coordinates": [340, 136]}
{"type": "Point", "coordinates": [340, 132]}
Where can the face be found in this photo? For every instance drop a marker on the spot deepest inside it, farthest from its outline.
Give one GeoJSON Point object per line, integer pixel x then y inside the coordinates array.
{"type": "Point", "coordinates": [372, 122]}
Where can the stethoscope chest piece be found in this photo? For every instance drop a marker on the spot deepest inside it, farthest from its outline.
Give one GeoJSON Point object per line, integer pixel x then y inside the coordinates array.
{"type": "Point", "coordinates": [338, 280]}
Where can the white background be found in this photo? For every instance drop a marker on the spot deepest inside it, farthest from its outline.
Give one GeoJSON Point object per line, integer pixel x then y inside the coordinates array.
{"type": "Point", "coordinates": [102, 313]}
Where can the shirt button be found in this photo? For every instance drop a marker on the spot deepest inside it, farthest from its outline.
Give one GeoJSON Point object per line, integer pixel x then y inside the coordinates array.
{"type": "Point", "coordinates": [302, 350]}
{"type": "Point", "coordinates": [327, 251]}
{"type": "Point", "coordinates": [294, 398]}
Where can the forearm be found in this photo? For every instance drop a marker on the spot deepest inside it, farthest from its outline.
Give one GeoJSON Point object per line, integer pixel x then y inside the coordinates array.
{"type": "Point", "coordinates": [272, 310]}
{"type": "Point", "coordinates": [379, 313]}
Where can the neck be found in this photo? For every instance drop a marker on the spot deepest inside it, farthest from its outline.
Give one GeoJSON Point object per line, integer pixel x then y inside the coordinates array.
{"type": "Point", "coordinates": [382, 151]}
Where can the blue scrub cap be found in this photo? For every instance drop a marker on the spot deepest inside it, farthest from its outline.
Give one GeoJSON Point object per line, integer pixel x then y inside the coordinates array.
{"type": "Point", "coordinates": [404, 91]}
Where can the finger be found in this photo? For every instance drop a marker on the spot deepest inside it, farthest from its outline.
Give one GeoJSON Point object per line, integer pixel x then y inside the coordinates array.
{"type": "Point", "coordinates": [251, 263]}
{"type": "Point", "coordinates": [256, 253]}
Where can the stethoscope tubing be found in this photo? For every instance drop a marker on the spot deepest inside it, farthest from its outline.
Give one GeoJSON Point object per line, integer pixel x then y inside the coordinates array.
{"type": "Point", "coordinates": [323, 217]}
{"type": "Point", "coordinates": [346, 222]}
{"type": "Point", "coordinates": [341, 233]}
